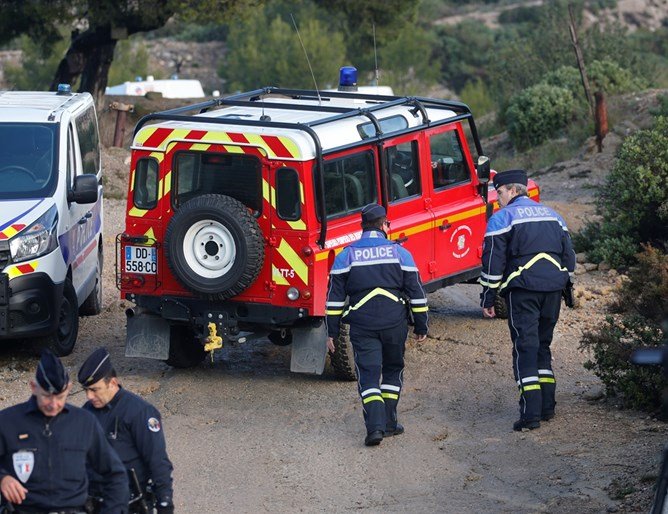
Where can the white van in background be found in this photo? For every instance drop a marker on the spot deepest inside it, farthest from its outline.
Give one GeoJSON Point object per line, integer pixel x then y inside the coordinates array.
{"type": "Point", "coordinates": [50, 216]}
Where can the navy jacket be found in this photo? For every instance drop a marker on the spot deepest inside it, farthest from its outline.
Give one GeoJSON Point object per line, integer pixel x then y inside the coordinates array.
{"type": "Point", "coordinates": [60, 448]}
{"type": "Point", "coordinates": [372, 284]}
{"type": "Point", "coordinates": [527, 246]}
{"type": "Point", "coordinates": [134, 429]}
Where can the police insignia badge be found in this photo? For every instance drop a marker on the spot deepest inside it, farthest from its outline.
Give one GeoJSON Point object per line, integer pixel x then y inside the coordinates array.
{"type": "Point", "coordinates": [23, 464]}
{"type": "Point", "coordinates": [154, 424]}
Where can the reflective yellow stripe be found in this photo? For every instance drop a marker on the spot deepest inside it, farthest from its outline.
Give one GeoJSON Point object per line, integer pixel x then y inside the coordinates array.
{"type": "Point", "coordinates": [533, 261]}
{"type": "Point", "coordinates": [491, 285]}
{"type": "Point", "coordinates": [295, 261]}
{"type": "Point", "coordinates": [378, 291]}
{"type": "Point", "coordinates": [391, 396]}
{"type": "Point", "coordinates": [373, 398]}
{"type": "Point", "coordinates": [278, 277]}
{"type": "Point", "coordinates": [531, 387]}
{"type": "Point", "coordinates": [419, 309]}
{"type": "Point", "coordinates": [330, 312]}
{"type": "Point", "coordinates": [547, 380]}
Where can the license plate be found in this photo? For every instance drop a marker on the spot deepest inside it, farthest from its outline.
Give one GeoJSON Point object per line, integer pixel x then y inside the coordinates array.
{"type": "Point", "coordinates": [141, 259]}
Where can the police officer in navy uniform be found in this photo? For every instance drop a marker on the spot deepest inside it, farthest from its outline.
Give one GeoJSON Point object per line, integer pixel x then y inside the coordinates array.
{"type": "Point", "coordinates": [528, 258]}
{"type": "Point", "coordinates": [133, 428]}
{"type": "Point", "coordinates": [46, 445]}
{"type": "Point", "coordinates": [373, 284]}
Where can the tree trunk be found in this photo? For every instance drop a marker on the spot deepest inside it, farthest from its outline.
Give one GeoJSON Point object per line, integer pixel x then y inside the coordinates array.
{"type": "Point", "coordinates": [89, 58]}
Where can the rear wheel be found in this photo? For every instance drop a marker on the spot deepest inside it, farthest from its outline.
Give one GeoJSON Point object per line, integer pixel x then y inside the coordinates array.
{"type": "Point", "coordinates": [500, 307]}
{"type": "Point", "coordinates": [343, 359]}
{"type": "Point", "coordinates": [184, 350]}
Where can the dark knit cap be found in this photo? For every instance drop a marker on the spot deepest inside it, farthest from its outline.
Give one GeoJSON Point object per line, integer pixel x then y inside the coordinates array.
{"type": "Point", "coordinates": [96, 367]}
{"type": "Point", "coordinates": [510, 177]}
{"type": "Point", "coordinates": [51, 375]}
{"type": "Point", "coordinates": [372, 212]}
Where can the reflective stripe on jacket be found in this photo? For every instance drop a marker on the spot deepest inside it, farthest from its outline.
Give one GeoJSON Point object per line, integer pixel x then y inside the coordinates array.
{"type": "Point", "coordinates": [372, 283]}
{"type": "Point", "coordinates": [527, 246]}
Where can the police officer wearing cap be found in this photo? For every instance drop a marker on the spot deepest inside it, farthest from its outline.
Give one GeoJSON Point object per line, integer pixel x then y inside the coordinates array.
{"type": "Point", "coordinates": [133, 428]}
{"type": "Point", "coordinates": [373, 284]}
{"type": "Point", "coordinates": [527, 258]}
{"type": "Point", "coordinates": [46, 445]}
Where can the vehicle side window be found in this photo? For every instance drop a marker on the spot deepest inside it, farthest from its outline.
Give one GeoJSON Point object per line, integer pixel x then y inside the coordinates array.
{"type": "Point", "coordinates": [349, 183]}
{"type": "Point", "coordinates": [288, 195]}
{"type": "Point", "coordinates": [402, 166]}
{"type": "Point", "coordinates": [89, 143]}
{"type": "Point", "coordinates": [146, 184]}
{"type": "Point", "coordinates": [447, 160]}
{"type": "Point", "coordinates": [236, 175]}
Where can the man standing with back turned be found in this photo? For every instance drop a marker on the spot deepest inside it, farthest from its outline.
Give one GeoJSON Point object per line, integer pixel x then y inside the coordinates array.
{"type": "Point", "coordinates": [134, 430]}
{"type": "Point", "coordinates": [378, 278]}
{"type": "Point", "coordinates": [527, 258]}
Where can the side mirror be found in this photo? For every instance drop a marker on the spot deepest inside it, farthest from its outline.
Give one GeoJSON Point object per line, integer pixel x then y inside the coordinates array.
{"type": "Point", "coordinates": [85, 189]}
{"type": "Point", "coordinates": [483, 168]}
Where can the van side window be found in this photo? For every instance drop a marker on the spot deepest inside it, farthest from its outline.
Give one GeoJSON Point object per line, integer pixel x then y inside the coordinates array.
{"type": "Point", "coordinates": [89, 142]}
{"type": "Point", "coordinates": [403, 174]}
{"type": "Point", "coordinates": [288, 194]}
{"type": "Point", "coordinates": [447, 160]}
{"type": "Point", "coordinates": [146, 184]}
{"type": "Point", "coordinates": [236, 175]}
{"type": "Point", "coordinates": [349, 183]}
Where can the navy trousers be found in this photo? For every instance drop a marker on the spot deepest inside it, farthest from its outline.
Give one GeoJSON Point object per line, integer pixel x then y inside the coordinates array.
{"type": "Point", "coordinates": [379, 359]}
{"type": "Point", "coordinates": [532, 316]}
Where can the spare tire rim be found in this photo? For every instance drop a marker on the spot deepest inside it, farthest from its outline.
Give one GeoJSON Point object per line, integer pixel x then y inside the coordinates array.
{"type": "Point", "coordinates": [209, 249]}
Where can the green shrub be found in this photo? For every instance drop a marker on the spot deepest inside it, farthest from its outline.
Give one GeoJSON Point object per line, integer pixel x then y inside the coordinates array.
{"type": "Point", "coordinates": [476, 95]}
{"type": "Point", "coordinates": [641, 306]}
{"type": "Point", "coordinates": [610, 77]}
{"type": "Point", "coordinates": [538, 113]}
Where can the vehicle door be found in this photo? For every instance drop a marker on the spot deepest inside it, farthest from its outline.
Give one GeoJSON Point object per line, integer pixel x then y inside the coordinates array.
{"type": "Point", "coordinates": [458, 208]}
{"type": "Point", "coordinates": [409, 203]}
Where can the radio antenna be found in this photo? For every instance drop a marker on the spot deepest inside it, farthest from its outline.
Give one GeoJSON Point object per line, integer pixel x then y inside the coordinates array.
{"type": "Point", "coordinates": [294, 23]}
{"type": "Point", "coordinates": [375, 55]}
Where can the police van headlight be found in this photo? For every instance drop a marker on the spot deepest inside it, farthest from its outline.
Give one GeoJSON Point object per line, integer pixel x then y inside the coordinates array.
{"type": "Point", "coordinates": [37, 239]}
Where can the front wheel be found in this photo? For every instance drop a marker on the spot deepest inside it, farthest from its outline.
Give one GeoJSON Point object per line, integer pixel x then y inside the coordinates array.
{"type": "Point", "coordinates": [63, 340]}
{"type": "Point", "coordinates": [93, 304]}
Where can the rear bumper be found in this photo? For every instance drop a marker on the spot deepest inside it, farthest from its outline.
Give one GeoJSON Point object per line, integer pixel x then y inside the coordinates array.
{"type": "Point", "coordinates": [29, 305]}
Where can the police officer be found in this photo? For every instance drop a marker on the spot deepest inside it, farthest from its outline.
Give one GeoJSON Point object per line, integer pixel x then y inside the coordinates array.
{"type": "Point", "coordinates": [46, 445]}
{"type": "Point", "coordinates": [372, 285]}
{"type": "Point", "coordinates": [132, 426]}
{"type": "Point", "coordinates": [528, 258]}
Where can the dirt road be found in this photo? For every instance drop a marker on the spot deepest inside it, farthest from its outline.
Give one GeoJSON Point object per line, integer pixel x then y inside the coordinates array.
{"type": "Point", "coordinates": [246, 435]}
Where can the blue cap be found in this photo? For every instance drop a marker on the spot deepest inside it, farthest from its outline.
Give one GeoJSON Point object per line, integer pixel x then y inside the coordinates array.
{"type": "Point", "coordinates": [372, 212]}
{"type": "Point", "coordinates": [510, 177]}
{"type": "Point", "coordinates": [96, 367]}
{"type": "Point", "coordinates": [51, 374]}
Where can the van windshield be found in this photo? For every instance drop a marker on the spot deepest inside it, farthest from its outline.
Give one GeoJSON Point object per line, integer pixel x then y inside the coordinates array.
{"type": "Point", "coordinates": [28, 156]}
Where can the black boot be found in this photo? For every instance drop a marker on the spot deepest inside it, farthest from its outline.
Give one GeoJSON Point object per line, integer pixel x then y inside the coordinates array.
{"type": "Point", "coordinates": [523, 424]}
{"type": "Point", "coordinates": [373, 438]}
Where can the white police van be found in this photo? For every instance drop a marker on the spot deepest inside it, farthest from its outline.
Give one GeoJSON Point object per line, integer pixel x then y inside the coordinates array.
{"type": "Point", "coordinates": [50, 215]}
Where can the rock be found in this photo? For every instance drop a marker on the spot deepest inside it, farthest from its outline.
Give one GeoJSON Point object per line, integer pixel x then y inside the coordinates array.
{"type": "Point", "coordinates": [595, 393]}
{"type": "Point", "coordinates": [604, 266]}
{"type": "Point", "coordinates": [613, 508]}
{"type": "Point", "coordinates": [590, 266]}
{"type": "Point", "coordinates": [580, 258]}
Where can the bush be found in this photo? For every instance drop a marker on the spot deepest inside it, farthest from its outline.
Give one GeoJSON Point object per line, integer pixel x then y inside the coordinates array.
{"type": "Point", "coordinates": [641, 306]}
{"type": "Point", "coordinates": [610, 77]}
{"type": "Point", "coordinates": [633, 203]}
{"type": "Point", "coordinates": [538, 113]}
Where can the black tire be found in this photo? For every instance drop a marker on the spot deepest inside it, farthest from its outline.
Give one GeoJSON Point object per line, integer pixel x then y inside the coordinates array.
{"type": "Point", "coordinates": [280, 337]}
{"type": "Point", "coordinates": [63, 340]}
{"type": "Point", "coordinates": [500, 307]}
{"type": "Point", "coordinates": [343, 360]}
{"type": "Point", "coordinates": [214, 246]}
{"type": "Point", "coordinates": [93, 304]}
{"type": "Point", "coordinates": [184, 350]}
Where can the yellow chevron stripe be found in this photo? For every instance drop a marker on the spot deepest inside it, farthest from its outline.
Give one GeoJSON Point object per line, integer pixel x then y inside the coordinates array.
{"type": "Point", "coordinates": [137, 213]}
{"type": "Point", "coordinates": [278, 277]}
{"type": "Point", "coordinates": [256, 140]}
{"type": "Point", "coordinates": [297, 225]}
{"type": "Point", "coordinates": [233, 149]}
{"type": "Point", "coordinates": [14, 271]}
{"type": "Point", "coordinates": [150, 234]}
{"type": "Point", "coordinates": [293, 259]}
{"type": "Point", "coordinates": [144, 134]}
{"type": "Point", "coordinates": [200, 147]}
{"type": "Point", "coordinates": [268, 193]}
{"type": "Point", "coordinates": [10, 232]}
{"type": "Point", "coordinates": [167, 183]}
{"type": "Point", "coordinates": [291, 147]}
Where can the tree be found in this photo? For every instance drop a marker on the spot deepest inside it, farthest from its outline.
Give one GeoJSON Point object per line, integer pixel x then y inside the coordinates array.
{"type": "Point", "coordinates": [96, 26]}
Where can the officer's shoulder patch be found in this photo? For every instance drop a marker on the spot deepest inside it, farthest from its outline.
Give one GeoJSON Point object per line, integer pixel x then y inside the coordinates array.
{"type": "Point", "coordinates": [154, 424]}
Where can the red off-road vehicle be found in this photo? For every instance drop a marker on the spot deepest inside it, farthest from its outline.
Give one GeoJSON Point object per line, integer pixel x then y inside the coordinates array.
{"type": "Point", "coordinates": [237, 207]}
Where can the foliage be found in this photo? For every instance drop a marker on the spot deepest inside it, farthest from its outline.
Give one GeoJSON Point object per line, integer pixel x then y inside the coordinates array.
{"type": "Point", "coordinates": [265, 50]}
{"type": "Point", "coordinates": [538, 113]}
{"type": "Point", "coordinates": [129, 62]}
{"type": "Point", "coordinates": [36, 69]}
{"type": "Point", "coordinates": [610, 77]}
{"type": "Point", "coordinates": [642, 305]}
{"type": "Point", "coordinates": [633, 203]}
{"type": "Point", "coordinates": [476, 95]}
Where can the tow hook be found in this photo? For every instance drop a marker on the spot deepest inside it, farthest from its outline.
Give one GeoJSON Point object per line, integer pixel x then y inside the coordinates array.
{"type": "Point", "coordinates": [213, 341]}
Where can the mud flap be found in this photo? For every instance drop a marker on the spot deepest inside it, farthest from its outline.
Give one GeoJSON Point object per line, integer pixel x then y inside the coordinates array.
{"type": "Point", "coordinates": [147, 336]}
{"type": "Point", "coordinates": [309, 349]}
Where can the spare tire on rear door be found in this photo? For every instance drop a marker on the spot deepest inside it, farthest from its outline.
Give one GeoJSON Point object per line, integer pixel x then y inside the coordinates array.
{"type": "Point", "coordinates": [214, 246]}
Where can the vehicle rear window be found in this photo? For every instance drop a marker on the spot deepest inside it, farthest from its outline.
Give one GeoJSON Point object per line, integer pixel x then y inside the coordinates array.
{"type": "Point", "coordinates": [288, 194]}
{"type": "Point", "coordinates": [146, 184]}
{"type": "Point", "coordinates": [236, 175]}
{"type": "Point", "coordinates": [28, 157]}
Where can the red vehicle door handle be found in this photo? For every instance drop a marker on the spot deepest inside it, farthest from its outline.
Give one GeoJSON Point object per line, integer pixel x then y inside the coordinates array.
{"type": "Point", "coordinates": [445, 226]}
{"type": "Point", "coordinates": [402, 240]}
